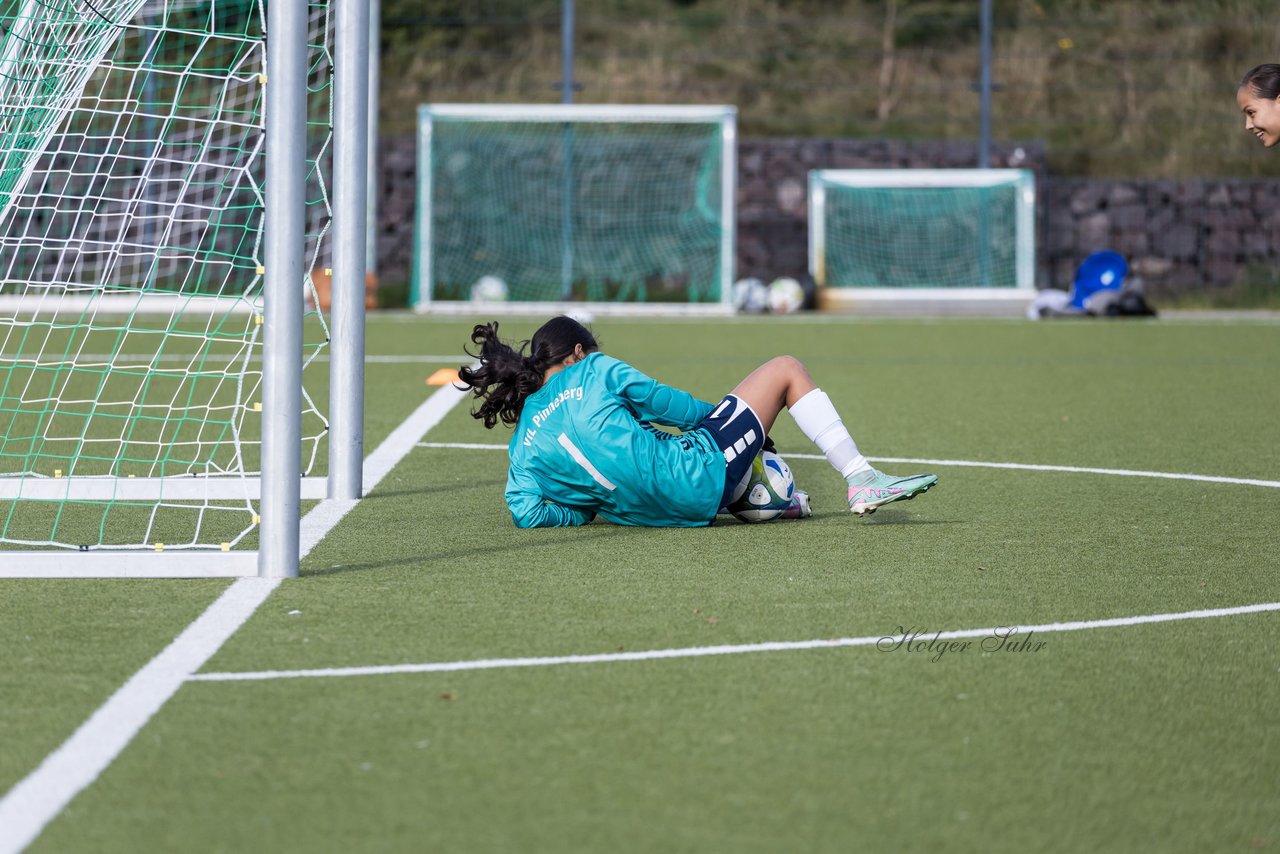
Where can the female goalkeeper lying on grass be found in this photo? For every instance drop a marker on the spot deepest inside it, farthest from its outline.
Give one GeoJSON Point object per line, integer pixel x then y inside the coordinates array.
{"type": "Point", "coordinates": [583, 443]}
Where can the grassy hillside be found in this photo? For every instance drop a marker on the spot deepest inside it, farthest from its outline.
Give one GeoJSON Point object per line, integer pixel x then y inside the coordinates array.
{"type": "Point", "coordinates": [1141, 88]}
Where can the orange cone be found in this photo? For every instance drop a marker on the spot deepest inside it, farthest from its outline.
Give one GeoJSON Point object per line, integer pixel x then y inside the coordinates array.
{"type": "Point", "coordinates": [444, 376]}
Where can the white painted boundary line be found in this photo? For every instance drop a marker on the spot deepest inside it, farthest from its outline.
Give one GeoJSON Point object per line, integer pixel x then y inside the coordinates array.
{"type": "Point", "coordinates": [1205, 478]}
{"type": "Point", "coordinates": [38, 798]}
{"type": "Point", "coordinates": [729, 649]}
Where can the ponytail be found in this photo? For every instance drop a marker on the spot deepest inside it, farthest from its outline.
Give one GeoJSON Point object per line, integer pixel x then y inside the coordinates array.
{"type": "Point", "coordinates": [506, 375]}
{"type": "Point", "coordinates": [503, 379]}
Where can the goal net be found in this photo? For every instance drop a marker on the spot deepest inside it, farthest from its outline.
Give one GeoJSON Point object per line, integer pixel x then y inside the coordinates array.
{"type": "Point", "coordinates": [611, 205]}
{"type": "Point", "coordinates": [131, 270]}
{"type": "Point", "coordinates": [937, 233]}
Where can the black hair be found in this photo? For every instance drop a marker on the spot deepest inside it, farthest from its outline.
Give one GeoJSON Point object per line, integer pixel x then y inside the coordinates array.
{"type": "Point", "coordinates": [507, 375]}
{"type": "Point", "coordinates": [1263, 80]}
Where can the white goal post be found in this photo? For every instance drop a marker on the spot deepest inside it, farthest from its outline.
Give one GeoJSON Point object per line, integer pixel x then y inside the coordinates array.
{"type": "Point", "coordinates": [922, 234]}
{"type": "Point", "coordinates": [613, 207]}
{"type": "Point", "coordinates": [192, 164]}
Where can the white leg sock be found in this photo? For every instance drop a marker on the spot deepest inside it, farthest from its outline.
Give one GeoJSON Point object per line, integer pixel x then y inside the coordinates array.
{"type": "Point", "coordinates": [818, 419]}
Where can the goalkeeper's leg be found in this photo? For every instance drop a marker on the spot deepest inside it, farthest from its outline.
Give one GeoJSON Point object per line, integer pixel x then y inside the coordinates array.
{"type": "Point", "coordinates": [785, 382]}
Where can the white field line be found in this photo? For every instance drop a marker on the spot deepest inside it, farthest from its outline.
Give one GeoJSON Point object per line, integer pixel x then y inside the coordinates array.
{"type": "Point", "coordinates": [890, 641]}
{"type": "Point", "coordinates": [1205, 478]}
{"type": "Point", "coordinates": [38, 798]}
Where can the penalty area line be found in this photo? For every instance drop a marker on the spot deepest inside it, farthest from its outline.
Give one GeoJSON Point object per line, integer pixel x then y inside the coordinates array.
{"type": "Point", "coordinates": [39, 797]}
{"type": "Point", "coordinates": [979, 464]}
{"type": "Point", "coordinates": [890, 641]}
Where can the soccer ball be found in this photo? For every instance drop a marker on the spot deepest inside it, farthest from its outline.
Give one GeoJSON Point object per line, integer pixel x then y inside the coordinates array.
{"type": "Point", "coordinates": [489, 289]}
{"type": "Point", "coordinates": [750, 296]}
{"type": "Point", "coordinates": [765, 491]}
{"type": "Point", "coordinates": [785, 295]}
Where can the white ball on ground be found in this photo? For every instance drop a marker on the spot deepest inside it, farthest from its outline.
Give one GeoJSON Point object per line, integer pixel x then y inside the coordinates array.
{"type": "Point", "coordinates": [765, 491]}
{"type": "Point", "coordinates": [489, 289]}
{"type": "Point", "coordinates": [750, 296]}
{"type": "Point", "coordinates": [785, 295]}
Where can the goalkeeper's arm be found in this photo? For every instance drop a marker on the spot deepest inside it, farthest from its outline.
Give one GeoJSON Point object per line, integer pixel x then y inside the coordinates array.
{"type": "Point", "coordinates": [529, 509]}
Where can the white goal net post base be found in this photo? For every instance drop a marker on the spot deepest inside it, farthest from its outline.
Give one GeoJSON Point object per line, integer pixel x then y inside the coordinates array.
{"type": "Point", "coordinates": [918, 237]}
{"type": "Point", "coordinates": [150, 561]}
{"type": "Point", "coordinates": [172, 563]}
{"type": "Point", "coordinates": [925, 302]}
{"type": "Point", "coordinates": [175, 488]}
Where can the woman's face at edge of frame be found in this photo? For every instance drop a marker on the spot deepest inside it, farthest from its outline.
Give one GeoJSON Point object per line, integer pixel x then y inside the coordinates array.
{"type": "Point", "coordinates": [1261, 115]}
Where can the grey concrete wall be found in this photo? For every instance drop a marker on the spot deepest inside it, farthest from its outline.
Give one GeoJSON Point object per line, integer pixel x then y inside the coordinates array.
{"type": "Point", "coordinates": [1178, 235]}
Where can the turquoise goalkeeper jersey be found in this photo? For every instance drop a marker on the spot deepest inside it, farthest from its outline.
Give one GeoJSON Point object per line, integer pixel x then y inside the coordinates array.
{"type": "Point", "coordinates": [584, 445]}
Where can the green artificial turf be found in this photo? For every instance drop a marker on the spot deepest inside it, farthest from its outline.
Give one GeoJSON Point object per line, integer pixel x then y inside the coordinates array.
{"type": "Point", "coordinates": [1123, 740]}
{"type": "Point", "coordinates": [67, 645]}
{"type": "Point", "coordinates": [1159, 737]}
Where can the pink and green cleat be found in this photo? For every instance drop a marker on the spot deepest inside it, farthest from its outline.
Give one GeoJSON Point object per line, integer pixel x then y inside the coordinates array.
{"type": "Point", "coordinates": [799, 508]}
{"type": "Point", "coordinates": [872, 489]}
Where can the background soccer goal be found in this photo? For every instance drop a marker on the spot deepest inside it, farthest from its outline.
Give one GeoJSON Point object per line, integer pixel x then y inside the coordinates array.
{"type": "Point", "coordinates": [135, 247]}
{"type": "Point", "coordinates": [611, 205]}
{"type": "Point", "coordinates": [922, 233]}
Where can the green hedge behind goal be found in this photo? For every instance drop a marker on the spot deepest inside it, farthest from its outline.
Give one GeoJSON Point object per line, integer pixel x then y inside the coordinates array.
{"type": "Point", "coordinates": [949, 232]}
{"type": "Point", "coordinates": [600, 204]}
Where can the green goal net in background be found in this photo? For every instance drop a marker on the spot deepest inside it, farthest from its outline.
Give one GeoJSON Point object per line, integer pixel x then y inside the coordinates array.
{"type": "Point", "coordinates": [946, 232]}
{"type": "Point", "coordinates": [131, 253]}
{"type": "Point", "coordinates": [601, 204]}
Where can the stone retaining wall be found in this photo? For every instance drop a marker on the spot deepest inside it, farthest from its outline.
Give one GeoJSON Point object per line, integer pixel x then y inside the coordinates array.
{"type": "Point", "coordinates": [1178, 235]}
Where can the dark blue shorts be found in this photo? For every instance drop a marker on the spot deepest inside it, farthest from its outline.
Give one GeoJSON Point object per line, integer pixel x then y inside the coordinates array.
{"type": "Point", "coordinates": [737, 431]}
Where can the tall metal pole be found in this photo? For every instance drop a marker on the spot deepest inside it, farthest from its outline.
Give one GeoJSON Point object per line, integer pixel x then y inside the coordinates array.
{"type": "Point", "coordinates": [566, 193]}
{"type": "Point", "coordinates": [150, 210]}
{"type": "Point", "coordinates": [375, 83]}
{"type": "Point", "coordinates": [984, 147]}
{"type": "Point", "coordinates": [566, 52]}
{"type": "Point", "coordinates": [286, 128]}
{"type": "Point", "coordinates": [984, 87]}
{"type": "Point", "coordinates": [350, 195]}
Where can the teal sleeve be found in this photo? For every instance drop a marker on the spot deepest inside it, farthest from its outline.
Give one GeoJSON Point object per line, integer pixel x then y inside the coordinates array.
{"type": "Point", "coordinates": [530, 510]}
{"type": "Point", "coordinates": [654, 401]}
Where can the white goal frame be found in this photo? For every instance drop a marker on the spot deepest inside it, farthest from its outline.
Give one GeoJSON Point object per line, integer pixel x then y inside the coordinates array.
{"type": "Point", "coordinates": [281, 487]}
{"type": "Point", "coordinates": [1025, 220]}
{"type": "Point", "coordinates": [726, 116]}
